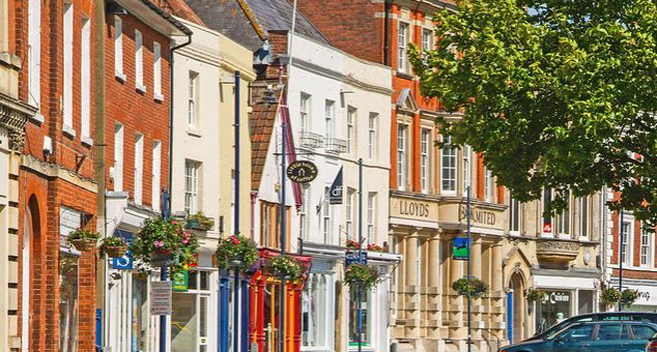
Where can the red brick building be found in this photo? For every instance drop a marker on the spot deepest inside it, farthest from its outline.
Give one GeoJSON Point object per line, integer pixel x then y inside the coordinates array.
{"type": "Point", "coordinates": [139, 39]}
{"type": "Point", "coordinates": [57, 283]}
{"type": "Point", "coordinates": [639, 257]}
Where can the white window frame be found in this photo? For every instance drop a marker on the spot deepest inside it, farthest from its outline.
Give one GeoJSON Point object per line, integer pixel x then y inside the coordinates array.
{"type": "Point", "coordinates": [157, 71]}
{"type": "Point", "coordinates": [192, 100]}
{"type": "Point", "coordinates": [34, 55]}
{"type": "Point", "coordinates": [329, 118]}
{"type": "Point", "coordinates": [647, 244]}
{"type": "Point", "coordinates": [85, 82]}
{"type": "Point", "coordinates": [564, 220]}
{"type": "Point", "coordinates": [67, 52]}
{"type": "Point", "coordinates": [118, 48]}
{"type": "Point", "coordinates": [118, 157]}
{"type": "Point", "coordinates": [403, 37]}
{"type": "Point", "coordinates": [304, 213]}
{"type": "Point", "coordinates": [371, 217]}
{"type": "Point", "coordinates": [402, 155]}
{"type": "Point", "coordinates": [626, 253]}
{"type": "Point", "coordinates": [446, 168]}
{"type": "Point", "coordinates": [489, 186]}
{"type": "Point", "coordinates": [156, 175]}
{"type": "Point", "coordinates": [192, 170]}
{"type": "Point", "coordinates": [544, 205]}
{"type": "Point", "coordinates": [139, 168]}
{"type": "Point", "coordinates": [305, 101]}
{"type": "Point", "coordinates": [425, 160]}
{"type": "Point", "coordinates": [327, 229]}
{"type": "Point", "coordinates": [427, 39]}
{"type": "Point", "coordinates": [139, 61]}
{"type": "Point", "coordinates": [372, 135]}
{"type": "Point", "coordinates": [350, 209]}
{"type": "Point", "coordinates": [352, 117]}
{"type": "Point", "coordinates": [466, 159]}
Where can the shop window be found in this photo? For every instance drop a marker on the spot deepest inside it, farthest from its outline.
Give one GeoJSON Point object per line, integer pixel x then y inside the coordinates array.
{"type": "Point", "coordinates": [448, 167]}
{"type": "Point", "coordinates": [139, 312]}
{"type": "Point", "coordinates": [68, 302]}
{"type": "Point", "coordinates": [189, 321]}
{"type": "Point", "coordinates": [553, 309]}
{"type": "Point", "coordinates": [586, 301]}
{"type": "Point", "coordinates": [366, 311]}
{"type": "Point", "coordinates": [314, 312]}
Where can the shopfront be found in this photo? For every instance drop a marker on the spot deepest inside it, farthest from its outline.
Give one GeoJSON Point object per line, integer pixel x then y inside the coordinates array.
{"type": "Point", "coordinates": [565, 297]}
{"type": "Point", "coordinates": [318, 306]}
{"type": "Point", "coordinates": [265, 296]}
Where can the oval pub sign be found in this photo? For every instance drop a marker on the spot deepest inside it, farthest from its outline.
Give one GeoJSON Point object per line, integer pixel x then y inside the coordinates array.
{"type": "Point", "coordinates": [302, 171]}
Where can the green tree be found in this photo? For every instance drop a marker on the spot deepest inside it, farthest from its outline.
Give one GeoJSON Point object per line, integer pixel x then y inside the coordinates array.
{"type": "Point", "coordinates": [555, 93]}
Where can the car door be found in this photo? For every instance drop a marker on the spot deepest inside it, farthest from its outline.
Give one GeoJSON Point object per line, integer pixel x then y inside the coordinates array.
{"type": "Point", "coordinates": [611, 337]}
{"type": "Point", "coordinates": [640, 334]}
{"type": "Point", "coordinates": [576, 338]}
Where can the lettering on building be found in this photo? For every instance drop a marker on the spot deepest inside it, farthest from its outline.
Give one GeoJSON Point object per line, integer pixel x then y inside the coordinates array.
{"type": "Point", "coordinates": [477, 216]}
{"type": "Point", "coordinates": [413, 209]}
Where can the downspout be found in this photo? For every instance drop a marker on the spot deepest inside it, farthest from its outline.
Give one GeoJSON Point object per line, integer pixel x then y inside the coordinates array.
{"type": "Point", "coordinates": [386, 39]}
{"type": "Point", "coordinates": [171, 115]}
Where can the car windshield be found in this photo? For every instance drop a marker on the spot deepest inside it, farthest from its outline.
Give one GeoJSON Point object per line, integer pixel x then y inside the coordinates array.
{"type": "Point", "coordinates": [576, 333]}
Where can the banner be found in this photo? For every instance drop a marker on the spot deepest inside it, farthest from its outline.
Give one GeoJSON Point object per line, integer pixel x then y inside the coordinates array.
{"type": "Point", "coordinates": [335, 192]}
{"type": "Point", "coordinates": [460, 248]}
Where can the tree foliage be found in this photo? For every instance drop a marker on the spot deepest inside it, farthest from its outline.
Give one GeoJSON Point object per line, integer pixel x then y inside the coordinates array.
{"type": "Point", "coordinates": [555, 93]}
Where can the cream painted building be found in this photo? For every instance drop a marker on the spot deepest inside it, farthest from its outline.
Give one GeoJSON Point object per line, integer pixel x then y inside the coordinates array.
{"type": "Point", "coordinates": [556, 254]}
{"type": "Point", "coordinates": [203, 171]}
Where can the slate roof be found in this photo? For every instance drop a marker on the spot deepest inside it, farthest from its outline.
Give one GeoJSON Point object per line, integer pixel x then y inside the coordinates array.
{"type": "Point", "coordinates": [248, 21]}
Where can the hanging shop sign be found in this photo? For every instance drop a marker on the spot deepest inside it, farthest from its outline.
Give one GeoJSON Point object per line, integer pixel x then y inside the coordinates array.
{"type": "Point", "coordinates": [160, 297]}
{"type": "Point", "coordinates": [335, 192]}
{"type": "Point", "coordinates": [124, 262]}
{"type": "Point", "coordinates": [180, 281]}
{"type": "Point", "coordinates": [460, 248]}
{"type": "Point", "coordinates": [354, 258]}
{"type": "Point", "coordinates": [302, 171]}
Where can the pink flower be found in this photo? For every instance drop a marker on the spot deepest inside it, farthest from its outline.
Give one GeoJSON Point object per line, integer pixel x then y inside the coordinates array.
{"type": "Point", "coordinates": [159, 243]}
{"type": "Point", "coordinates": [234, 239]}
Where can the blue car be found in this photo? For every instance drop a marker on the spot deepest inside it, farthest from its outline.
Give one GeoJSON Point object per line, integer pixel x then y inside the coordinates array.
{"type": "Point", "coordinates": [597, 336]}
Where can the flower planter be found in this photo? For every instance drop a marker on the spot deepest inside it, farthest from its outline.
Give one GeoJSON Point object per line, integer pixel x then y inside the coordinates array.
{"type": "Point", "coordinates": [161, 259]}
{"type": "Point", "coordinates": [82, 244]}
{"type": "Point", "coordinates": [236, 252]}
{"type": "Point", "coordinates": [116, 251]}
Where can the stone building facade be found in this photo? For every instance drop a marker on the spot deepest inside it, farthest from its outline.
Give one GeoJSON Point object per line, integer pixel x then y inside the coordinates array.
{"type": "Point", "coordinates": [558, 254]}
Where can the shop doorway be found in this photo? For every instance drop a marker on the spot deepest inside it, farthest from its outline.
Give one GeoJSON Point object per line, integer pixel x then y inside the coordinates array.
{"type": "Point", "coordinates": [518, 308]}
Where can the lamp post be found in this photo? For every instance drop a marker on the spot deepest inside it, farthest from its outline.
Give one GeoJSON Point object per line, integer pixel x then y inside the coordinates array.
{"type": "Point", "coordinates": [281, 320]}
{"type": "Point", "coordinates": [360, 252]}
{"type": "Point", "coordinates": [236, 290]}
{"type": "Point", "coordinates": [621, 256]}
{"type": "Point", "coordinates": [469, 271]}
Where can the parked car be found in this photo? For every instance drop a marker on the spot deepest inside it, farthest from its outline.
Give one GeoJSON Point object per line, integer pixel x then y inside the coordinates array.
{"type": "Point", "coordinates": [593, 336]}
{"type": "Point", "coordinates": [608, 316]}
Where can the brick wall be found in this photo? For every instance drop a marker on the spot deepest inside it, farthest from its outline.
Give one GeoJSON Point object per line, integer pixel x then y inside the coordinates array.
{"type": "Point", "coordinates": [137, 112]}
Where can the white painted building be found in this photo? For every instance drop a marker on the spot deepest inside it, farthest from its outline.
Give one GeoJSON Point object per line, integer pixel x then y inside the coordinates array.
{"type": "Point", "coordinates": [339, 110]}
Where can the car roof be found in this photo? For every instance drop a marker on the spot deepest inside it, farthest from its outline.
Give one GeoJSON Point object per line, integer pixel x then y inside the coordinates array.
{"type": "Point", "coordinates": [603, 322]}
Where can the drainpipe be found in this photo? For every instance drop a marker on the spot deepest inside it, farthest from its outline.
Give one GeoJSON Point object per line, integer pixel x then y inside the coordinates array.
{"type": "Point", "coordinates": [386, 39]}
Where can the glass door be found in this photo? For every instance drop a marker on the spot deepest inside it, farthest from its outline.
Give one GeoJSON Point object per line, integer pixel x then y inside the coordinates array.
{"type": "Point", "coordinates": [189, 321]}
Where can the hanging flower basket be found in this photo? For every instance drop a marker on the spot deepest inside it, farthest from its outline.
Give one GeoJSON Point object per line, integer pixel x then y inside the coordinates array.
{"type": "Point", "coordinates": [470, 286]}
{"type": "Point", "coordinates": [628, 297]}
{"type": "Point", "coordinates": [610, 296]}
{"type": "Point", "coordinates": [199, 221]}
{"type": "Point", "coordinates": [114, 247]}
{"type": "Point", "coordinates": [163, 243]}
{"type": "Point", "coordinates": [236, 252]}
{"type": "Point", "coordinates": [535, 295]}
{"type": "Point", "coordinates": [352, 244]}
{"type": "Point", "coordinates": [361, 275]}
{"type": "Point", "coordinates": [82, 239]}
{"type": "Point", "coordinates": [284, 267]}
{"type": "Point", "coordinates": [374, 248]}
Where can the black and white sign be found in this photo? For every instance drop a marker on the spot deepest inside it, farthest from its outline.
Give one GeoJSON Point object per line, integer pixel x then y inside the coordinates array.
{"type": "Point", "coordinates": [302, 171]}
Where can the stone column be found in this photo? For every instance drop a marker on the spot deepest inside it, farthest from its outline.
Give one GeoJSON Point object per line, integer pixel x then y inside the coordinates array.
{"type": "Point", "coordinates": [433, 287]}
{"type": "Point", "coordinates": [497, 291]}
{"type": "Point", "coordinates": [477, 304]}
{"type": "Point", "coordinates": [457, 330]}
{"type": "Point", "coordinates": [411, 291]}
